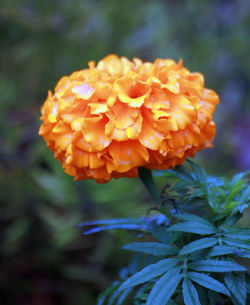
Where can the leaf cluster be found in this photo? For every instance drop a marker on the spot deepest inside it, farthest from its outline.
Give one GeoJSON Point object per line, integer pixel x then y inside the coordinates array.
{"type": "Point", "coordinates": [195, 249]}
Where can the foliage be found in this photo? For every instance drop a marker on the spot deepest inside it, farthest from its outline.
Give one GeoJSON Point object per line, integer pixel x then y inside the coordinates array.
{"type": "Point", "coordinates": [195, 242]}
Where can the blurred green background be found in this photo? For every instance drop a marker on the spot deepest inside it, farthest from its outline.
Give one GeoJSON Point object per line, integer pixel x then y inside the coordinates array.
{"type": "Point", "coordinates": [44, 260]}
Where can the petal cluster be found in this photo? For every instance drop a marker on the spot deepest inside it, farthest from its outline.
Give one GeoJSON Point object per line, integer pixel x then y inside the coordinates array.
{"type": "Point", "coordinates": [118, 115]}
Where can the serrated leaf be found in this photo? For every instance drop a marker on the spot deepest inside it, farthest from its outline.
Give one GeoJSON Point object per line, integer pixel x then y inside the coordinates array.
{"type": "Point", "coordinates": [212, 265]}
{"type": "Point", "coordinates": [150, 272]}
{"type": "Point", "coordinates": [222, 250]}
{"type": "Point", "coordinates": [164, 288]}
{"type": "Point", "coordinates": [236, 283]}
{"type": "Point", "coordinates": [208, 282]}
{"type": "Point", "coordinates": [193, 227]}
{"type": "Point", "coordinates": [190, 294]}
{"type": "Point", "coordinates": [236, 243]}
{"type": "Point", "coordinates": [198, 245]}
{"type": "Point", "coordinates": [153, 248]}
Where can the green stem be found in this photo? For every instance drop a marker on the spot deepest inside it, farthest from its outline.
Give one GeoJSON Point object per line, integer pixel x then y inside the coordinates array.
{"type": "Point", "coordinates": [148, 181]}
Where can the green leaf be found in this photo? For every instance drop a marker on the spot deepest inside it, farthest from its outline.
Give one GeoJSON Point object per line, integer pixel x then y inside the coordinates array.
{"type": "Point", "coordinates": [236, 243]}
{"type": "Point", "coordinates": [238, 177]}
{"type": "Point", "coordinates": [107, 292]}
{"type": "Point", "coordinates": [113, 297]}
{"type": "Point", "coordinates": [123, 296]}
{"type": "Point", "coordinates": [208, 282]}
{"type": "Point", "coordinates": [221, 250]}
{"type": "Point", "coordinates": [245, 196]}
{"type": "Point", "coordinates": [241, 234]}
{"type": "Point", "coordinates": [190, 294]}
{"type": "Point", "coordinates": [161, 234]}
{"type": "Point", "coordinates": [212, 265]}
{"type": "Point", "coordinates": [181, 173]}
{"type": "Point", "coordinates": [147, 179]}
{"type": "Point", "coordinates": [194, 218]}
{"type": "Point", "coordinates": [150, 272]}
{"type": "Point", "coordinates": [164, 288]}
{"type": "Point", "coordinates": [234, 300]}
{"type": "Point", "coordinates": [236, 188]}
{"type": "Point", "coordinates": [198, 245]}
{"type": "Point", "coordinates": [153, 248]}
{"type": "Point", "coordinates": [231, 205]}
{"type": "Point", "coordinates": [193, 227]}
{"type": "Point", "coordinates": [243, 253]}
{"type": "Point", "coordinates": [236, 283]}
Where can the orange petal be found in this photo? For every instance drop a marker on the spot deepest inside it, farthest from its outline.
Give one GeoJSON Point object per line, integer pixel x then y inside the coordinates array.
{"type": "Point", "coordinates": [127, 154]}
{"type": "Point", "coordinates": [127, 93]}
{"type": "Point", "coordinates": [94, 133]}
{"type": "Point", "coordinates": [149, 137]}
{"type": "Point", "coordinates": [83, 91]}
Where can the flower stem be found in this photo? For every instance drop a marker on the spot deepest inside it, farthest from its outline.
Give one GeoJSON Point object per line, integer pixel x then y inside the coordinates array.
{"type": "Point", "coordinates": [148, 181]}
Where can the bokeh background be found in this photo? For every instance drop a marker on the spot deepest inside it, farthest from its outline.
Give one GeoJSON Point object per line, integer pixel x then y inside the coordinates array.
{"type": "Point", "coordinates": [44, 260]}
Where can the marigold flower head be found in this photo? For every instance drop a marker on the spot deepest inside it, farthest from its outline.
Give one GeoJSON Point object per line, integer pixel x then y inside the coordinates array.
{"type": "Point", "coordinates": [118, 115]}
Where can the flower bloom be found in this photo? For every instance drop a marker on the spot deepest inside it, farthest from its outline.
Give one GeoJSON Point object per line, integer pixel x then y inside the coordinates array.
{"type": "Point", "coordinates": [118, 115]}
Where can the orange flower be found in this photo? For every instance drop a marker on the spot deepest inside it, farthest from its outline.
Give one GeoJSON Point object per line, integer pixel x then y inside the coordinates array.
{"type": "Point", "coordinates": [110, 119]}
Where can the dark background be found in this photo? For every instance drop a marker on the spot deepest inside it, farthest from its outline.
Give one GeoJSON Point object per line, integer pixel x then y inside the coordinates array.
{"type": "Point", "coordinates": [44, 260]}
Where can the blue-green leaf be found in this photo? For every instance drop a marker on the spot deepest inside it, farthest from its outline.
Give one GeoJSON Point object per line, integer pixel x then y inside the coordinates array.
{"type": "Point", "coordinates": [164, 288]}
{"type": "Point", "coordinates": [245, 196]}
{"type": "Point", "coordinates": [133, 227]}
{"type": "Point", "coordinates": [123, 296]}
{"type": "Point", "coordinates": [150, 272]}
{"type": "Point", "coordinates": [208, 282]}
{"type": "Point", "coordinates": [212, 265]}
{"type": "Point", "coordinates": [242, 253]}
{"type": "Point", "coordinates": [110, 222]}
{"type": "Point", "coordinates": [239, 235]}
{"type": "Point", "coordinates": [102, 298]}
{"type": "Point", "coordinates": [222, 250]}
{"type": "Point", "coordinates": [237, 243]}
{"type": "Point", "coordinates": [153, 248]}
{"type": "Point", "coordinates": [190, 294]}
{"type": "Point", "coordinates": [198, 245]}
{"type": "Point", "coordinates": [193, 227]}
{"type": "Point", "coordinates": [193, 218]}
{"type": "Point", "coordinates": [236, 283]}
{"type": "Point", "coordinates": [113, 297]}
{"type": "Point", "coordinates": [238, 177]}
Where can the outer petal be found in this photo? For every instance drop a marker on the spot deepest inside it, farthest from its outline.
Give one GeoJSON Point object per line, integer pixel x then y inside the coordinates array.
{"type": "Point", "coordinates": [127, 155]}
